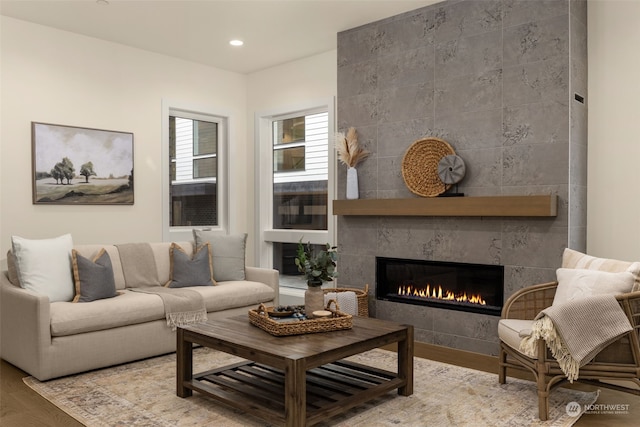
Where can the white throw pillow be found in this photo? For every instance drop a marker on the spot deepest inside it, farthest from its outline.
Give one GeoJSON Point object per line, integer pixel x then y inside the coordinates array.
{"type": "Point", "coordinates": [581, 283]}
{"type": "Point", "coordinates": [44, 266]}
{"type": "Point", "coordinates": [575, 259]}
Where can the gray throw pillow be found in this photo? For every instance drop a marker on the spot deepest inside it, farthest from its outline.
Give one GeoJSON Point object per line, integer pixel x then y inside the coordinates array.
{"type": "Point", "coordinates": [12, 270]}
{"type": "Point", "coordinates": [93, 280]}
{"type": "Point", "coordinates": [228, 253]}
{"type": "Point", "coordinates": [187, 271]}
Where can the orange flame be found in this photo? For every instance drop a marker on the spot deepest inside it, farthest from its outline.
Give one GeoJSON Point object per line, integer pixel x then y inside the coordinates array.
{"type": "Point", "coordinates": [439, 293]}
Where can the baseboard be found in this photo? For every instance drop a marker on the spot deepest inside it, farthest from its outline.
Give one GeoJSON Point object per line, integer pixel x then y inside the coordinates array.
{"type": "Point", "coordinates": [454, 356]}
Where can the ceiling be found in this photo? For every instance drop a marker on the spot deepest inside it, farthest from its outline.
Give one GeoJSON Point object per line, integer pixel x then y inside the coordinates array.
{"type": "Point", "coordinates": [274, 32]}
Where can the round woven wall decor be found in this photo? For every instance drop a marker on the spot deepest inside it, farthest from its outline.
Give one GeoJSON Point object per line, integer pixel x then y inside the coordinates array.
{"type": "Point", "coordinates": [420, 166]}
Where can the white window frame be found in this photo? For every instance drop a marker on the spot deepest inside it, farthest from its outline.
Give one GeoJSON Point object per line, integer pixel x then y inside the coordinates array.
{"type": "Point", "coordinates": [264, 187]}
{"type": "Point", "coordinates": [205, 113]}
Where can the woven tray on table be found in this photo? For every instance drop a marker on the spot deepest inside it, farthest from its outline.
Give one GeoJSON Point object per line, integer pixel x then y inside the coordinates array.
{"type": "Point", "coordinates": [362, 295]}
{"type": "Point", "coordinates": [259, 317]}
{"type": "Point", "coordinates": [420, 166]}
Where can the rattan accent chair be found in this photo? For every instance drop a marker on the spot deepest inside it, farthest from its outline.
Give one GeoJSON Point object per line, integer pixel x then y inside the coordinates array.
{"type": "Point", "coordinates": [617, 366]}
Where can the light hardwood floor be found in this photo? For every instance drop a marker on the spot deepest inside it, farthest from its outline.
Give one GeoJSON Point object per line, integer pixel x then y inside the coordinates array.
{"type": "Point", "coordinates": [22, 407]}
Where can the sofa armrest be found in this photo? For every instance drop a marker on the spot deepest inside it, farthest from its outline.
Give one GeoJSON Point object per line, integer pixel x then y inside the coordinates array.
{"type": "Point", "coordinates": [527, 302]}
{"type": "Point", "coordinates": [268, 276]}
{"type": "Point", "coordinates": [25, 332]}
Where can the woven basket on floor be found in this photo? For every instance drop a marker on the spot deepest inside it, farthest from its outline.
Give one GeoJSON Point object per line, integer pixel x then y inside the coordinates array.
{"type": "Point", "coordinates": [362, 295]}
{"type": "Point", "coordinates": [420, 166]}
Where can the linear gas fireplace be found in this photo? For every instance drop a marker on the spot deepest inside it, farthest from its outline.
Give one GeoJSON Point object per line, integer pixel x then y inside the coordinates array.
{"type": "Point", "coordinates": [477, 288]}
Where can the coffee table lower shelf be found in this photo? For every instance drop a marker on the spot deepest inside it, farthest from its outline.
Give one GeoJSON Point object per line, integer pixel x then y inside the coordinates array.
{"type": "Point", "coordinates": [259, 389]}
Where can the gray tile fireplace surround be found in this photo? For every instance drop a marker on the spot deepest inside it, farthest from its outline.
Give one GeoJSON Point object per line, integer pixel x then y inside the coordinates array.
{"type": "Point", "coordinates": [498, 81]}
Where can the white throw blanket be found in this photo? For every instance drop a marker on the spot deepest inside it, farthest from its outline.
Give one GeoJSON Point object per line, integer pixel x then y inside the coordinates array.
{"type": "Point", "coordinates": [347, 301]}
{"type": "Point", "coordinates": [576, 331]}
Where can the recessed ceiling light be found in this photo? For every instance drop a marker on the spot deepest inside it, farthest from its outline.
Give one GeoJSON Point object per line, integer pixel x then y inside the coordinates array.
{"type": "Point", "coordinates": [102, 2]}
{"type": "Point", "coordinates": [236, 42]}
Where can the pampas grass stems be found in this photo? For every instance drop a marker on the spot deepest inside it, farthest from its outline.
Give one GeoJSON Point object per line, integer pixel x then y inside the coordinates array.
{"type": "Point", "coordinates": [349, 151]}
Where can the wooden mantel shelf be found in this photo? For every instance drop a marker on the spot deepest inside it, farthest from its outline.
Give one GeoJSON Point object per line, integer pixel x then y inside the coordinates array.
{"type": "Point", "coordinates": [541, 206]}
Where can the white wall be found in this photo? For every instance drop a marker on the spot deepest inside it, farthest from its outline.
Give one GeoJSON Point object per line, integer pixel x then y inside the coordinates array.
{"type": "Point", "coordinates": [283, 87]}
{"type": "Point", "coordinates": [58, 77]}
{"type": "Point", "coordinates": [613, 208]}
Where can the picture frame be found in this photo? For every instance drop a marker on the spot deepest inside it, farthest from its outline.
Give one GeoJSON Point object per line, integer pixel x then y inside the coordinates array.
{"type": "Point", "coordinates": [81, 166]}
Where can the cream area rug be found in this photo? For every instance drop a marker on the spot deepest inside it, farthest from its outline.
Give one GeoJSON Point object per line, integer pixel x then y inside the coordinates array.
{"type": "Point", "coordinates": [144, 394]}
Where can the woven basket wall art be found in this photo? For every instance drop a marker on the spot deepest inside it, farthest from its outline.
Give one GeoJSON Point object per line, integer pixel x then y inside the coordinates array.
{"type": "Point", "coordinates": [420, 166]}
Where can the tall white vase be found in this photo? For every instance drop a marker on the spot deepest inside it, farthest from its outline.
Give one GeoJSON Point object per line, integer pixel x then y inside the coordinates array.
{"type": "Point", "coordinates": [352, 183]}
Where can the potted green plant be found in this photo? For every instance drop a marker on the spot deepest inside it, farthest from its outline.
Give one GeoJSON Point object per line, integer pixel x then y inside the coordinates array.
{"type": "Point", "coordinates": [318, 266]}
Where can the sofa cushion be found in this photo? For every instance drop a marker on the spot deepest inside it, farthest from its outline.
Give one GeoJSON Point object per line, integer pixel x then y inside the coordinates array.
{"type": "Point", "coordinates": [232, 294]}
{"type": "Point", "coordinates": [228, 253]}
{"type": "Point", "coordinates": [127, 308]}
{"type": "Point", "coordinates": [130, 308]}
{"type": "Point", "coordinates": [44, 266]}
{"type": "Point", "coordinates": [93, 279]}
{"type": "Point", "coordinates": [581, 283]}
{"type": "Point", "coordinates": [574, 259]}
{"type": "Point", "coordinates": [512, 331]}
{"type": "Point", "coordinates": [185, 270]}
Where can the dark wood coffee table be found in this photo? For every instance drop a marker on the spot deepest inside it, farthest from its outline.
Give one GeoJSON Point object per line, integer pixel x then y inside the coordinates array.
{"type": "Point", "coordinates": [295, 380]}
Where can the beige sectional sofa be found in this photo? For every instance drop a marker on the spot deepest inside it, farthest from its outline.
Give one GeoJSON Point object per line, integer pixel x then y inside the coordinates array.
{"type": "Point", "coordinates": [53, 339]}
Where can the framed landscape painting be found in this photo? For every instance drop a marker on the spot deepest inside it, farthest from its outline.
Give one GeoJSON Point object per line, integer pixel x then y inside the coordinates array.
{"type": "Point", "coordinates": [81, 166]}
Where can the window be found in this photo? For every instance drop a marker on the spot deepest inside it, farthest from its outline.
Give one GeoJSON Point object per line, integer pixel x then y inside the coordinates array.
{"type": "Point", "coordinates": [294, 187]}
{"type": "Point", "coordinates": [289, 130]}
{"type": "Point", "coordinates": [192, 152]}
{"type": "Point", "coordinates": [288, 159]}
{"type": "Point", "coordinates": [300, 172]}
{"type": "Point", "coordinates": [289, 144]}
{"type": "Point", "coordinates": [194, 182]}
